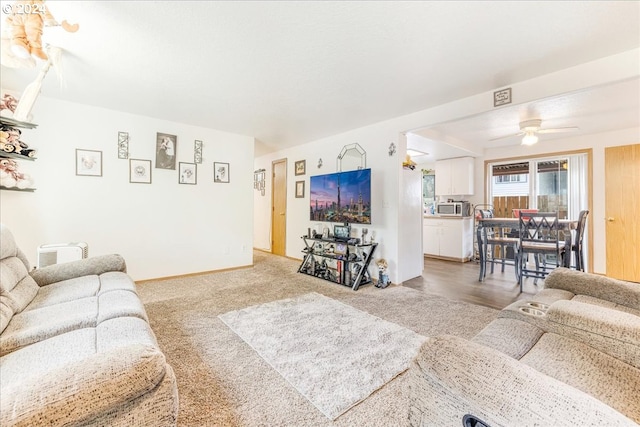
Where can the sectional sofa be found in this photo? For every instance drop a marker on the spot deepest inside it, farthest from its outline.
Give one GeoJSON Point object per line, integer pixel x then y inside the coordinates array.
{"type": "Point", "coordinates": [76, 347]}
{"type": "Point", "coordinates": [568, 356]}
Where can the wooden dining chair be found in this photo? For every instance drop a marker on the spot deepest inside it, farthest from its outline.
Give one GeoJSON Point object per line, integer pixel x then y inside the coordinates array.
{"type": "Point", "coordinates": [540, 236]}
{"type": "Point", "coordinates": [577, 248]}
{"type": "Point", "coordinates": [496, 243]}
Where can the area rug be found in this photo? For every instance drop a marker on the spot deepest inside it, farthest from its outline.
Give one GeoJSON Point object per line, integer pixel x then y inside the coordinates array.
{"type": "Point", "coordinates": [332, 353]}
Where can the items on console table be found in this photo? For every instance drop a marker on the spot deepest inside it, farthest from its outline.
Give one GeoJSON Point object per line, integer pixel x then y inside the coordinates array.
{"type": "Point", "coordinates": [345, 262]}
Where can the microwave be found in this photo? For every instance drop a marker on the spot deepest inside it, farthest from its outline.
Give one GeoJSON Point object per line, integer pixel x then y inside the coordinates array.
{"type": "Point", "coordinates": [453, 209]}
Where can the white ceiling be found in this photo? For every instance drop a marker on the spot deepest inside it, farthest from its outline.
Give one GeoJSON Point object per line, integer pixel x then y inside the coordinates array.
{"type": "Point", "coordinates": [291, 72]}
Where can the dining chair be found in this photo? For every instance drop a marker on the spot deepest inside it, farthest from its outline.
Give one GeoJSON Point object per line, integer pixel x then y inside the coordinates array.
{"type": "Point", "coordinates": [577, 248]}
{"type": "Point", "coordinates": [496, 240]}
{"type": "Point", "coordinates": [540, 236]}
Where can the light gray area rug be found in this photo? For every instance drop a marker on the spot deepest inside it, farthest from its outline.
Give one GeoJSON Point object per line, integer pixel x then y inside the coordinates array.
{"type": "Point", "coordinates": [332, 353]}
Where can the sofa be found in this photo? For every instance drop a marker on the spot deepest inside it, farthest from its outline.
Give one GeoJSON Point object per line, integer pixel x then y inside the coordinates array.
{"type": "Point", "coordinates": [76, 347]}
{"type": "Point", "coordinates": [568, 356]}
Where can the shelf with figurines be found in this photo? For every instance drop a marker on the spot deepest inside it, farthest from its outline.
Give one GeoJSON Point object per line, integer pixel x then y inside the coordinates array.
{"type": "Point", "coordinates": [12, 148]}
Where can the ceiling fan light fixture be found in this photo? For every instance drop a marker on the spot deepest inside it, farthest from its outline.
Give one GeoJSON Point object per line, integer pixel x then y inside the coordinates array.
{"type": "Point", "coordinates": [529, 138]}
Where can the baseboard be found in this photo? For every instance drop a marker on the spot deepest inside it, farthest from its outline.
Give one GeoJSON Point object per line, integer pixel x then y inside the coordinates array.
{"type": "Point", "coordinates": [201, 273]}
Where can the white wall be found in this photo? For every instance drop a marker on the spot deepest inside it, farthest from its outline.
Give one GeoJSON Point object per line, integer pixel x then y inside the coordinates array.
{"type": "Point", "coordinates": [162, 229]}
{"type": "Point", "coordinates": [375, 140]}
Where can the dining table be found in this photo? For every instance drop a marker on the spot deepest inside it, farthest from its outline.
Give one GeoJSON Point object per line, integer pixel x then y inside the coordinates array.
{"type": "Point", "coordinates": [514, 224]}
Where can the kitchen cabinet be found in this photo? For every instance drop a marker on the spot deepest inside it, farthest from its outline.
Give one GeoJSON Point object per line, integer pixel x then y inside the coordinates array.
{"type": "Point", "coordinates": [454, 176]}
{"type": "Point", "coordinates": [448, 237]}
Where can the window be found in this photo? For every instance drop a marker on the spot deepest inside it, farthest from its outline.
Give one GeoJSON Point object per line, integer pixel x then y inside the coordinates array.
{"type": "Point", "coordinates": [556, 183]}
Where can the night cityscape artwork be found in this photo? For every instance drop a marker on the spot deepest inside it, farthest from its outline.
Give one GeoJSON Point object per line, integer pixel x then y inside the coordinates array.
{"type": "Point", "coordinates": [341, 197]}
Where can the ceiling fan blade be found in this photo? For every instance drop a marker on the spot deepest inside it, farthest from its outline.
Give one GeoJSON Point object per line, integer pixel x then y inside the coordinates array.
{"type": "Point", "coordinates": [558, 130]}
{"type": "Point", "coordinates": [513, 135]}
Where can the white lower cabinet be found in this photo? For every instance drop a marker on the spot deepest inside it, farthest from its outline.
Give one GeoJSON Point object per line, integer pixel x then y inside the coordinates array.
{"type": "Point", "coordinates": [449, 238]}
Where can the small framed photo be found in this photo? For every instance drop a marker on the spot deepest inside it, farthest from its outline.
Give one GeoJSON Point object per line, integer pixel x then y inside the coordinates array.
{"type": "Point", "coordinates": [341, 248]}
{"type": "Point", "coordinates": [166, 146]}
{"type": "Point", "coordinates": [299, 189]}
{"type": "Point", "coordinates": [139, 171]}
{"type": "Point", "coordinates": [221, 172]}
{"type": "Point", "coordinates": [187, 173]}
{"type": "Point", "coordinates": [301, 167]}
{"type": "Point", "coordinates": [88, 162]}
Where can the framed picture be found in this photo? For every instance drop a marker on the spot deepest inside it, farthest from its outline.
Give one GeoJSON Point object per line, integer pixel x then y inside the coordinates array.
{"type": "Point", "coordinates": [166, 146]}
{"type": "Point", "coordinates": [341, 248]}
{"type": "Point", "coordinates": [139, 171]}
{"type": "Point", "coordinates": [220, 172]}
{"type": "Point", "coordinates": [197, 151]}
{"type": "Point", "coordinates": [429, 187]}
{"type": "Point", "coordinates": [123, 145]}
{"type": "Point", "coordinates": [88, 162]}
{"type": "Point", "coordinates": [187, 173]}
{"type": "Point", "coordinates": [299, 189]}
{"type": "Point", "coordinates": [301, 167]}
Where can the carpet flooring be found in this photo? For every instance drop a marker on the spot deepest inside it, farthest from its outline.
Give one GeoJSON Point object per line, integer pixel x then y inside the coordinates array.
{"type": "Point", "coordinates": [222, 381]}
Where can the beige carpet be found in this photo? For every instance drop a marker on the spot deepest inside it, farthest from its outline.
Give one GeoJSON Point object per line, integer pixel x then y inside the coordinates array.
{"type": "Point", "coordinates": [332, 353]}
{"type": "Point", "coordinates": [222, 381]}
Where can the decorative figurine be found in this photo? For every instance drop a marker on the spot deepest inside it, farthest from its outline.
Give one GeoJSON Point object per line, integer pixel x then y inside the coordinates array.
{"type": "Point", "coordinates": [383, 273]}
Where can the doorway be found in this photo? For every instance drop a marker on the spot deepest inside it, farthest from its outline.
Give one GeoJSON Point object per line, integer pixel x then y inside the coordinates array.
{"type": "Point", "coordinates": [622, 204]}
{"type": "Point", "coordinates": [279, 207]}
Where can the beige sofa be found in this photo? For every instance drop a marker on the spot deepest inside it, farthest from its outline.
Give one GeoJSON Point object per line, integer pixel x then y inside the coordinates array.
{"type": "Point", "coordinates": [568, 356]}
{"type": "Point", "coordinates": [76, 347]}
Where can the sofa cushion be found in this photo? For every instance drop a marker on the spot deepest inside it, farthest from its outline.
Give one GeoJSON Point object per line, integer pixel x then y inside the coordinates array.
{"type": "Point", "coordinates": [69, 349]}
{"type": "Point", "coordinates": [510, 336]}
{"type": "Point", "coordinates": [81, 287]}
{"type": "Point", "coordinates": [67, 290]}
{"type": "Point", "coordinates": [604, 377]}
{"type": "Point", "coordinates": [31, 326]}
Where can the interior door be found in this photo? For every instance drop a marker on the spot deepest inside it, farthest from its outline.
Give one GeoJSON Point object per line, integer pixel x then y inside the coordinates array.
{"type": "Point", "coordinates": [279, 207]}
{"type": "Point", "coordinates": [622, 204]}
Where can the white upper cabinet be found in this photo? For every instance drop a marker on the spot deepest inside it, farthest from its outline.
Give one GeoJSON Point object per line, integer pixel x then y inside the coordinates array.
{"type": "Point", "coordinates": [454, 177]}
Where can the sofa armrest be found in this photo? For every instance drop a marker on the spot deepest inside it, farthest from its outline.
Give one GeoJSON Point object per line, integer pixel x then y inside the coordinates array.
{"type": "Point", "coordinates": [452, 377]}
{"type": "Point", "coordinates": [83, 267]}
{"type": "Point", "coordinates": [610, 331]}
{"type": "Point", "coordinates": [593, 285]}
{"type": "Point", "coordinates": [93, 387]}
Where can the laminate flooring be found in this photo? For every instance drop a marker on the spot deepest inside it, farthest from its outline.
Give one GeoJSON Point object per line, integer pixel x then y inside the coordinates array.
{"type": "Point", "coordinates": [459, 281]}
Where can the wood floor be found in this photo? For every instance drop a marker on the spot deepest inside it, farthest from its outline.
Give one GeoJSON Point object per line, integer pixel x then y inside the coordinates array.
{"type": "Point", "coordinates": [459, 281]}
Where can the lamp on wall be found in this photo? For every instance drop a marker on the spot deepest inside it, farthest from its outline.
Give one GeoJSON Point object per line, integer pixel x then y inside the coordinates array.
{"type": "Point", "coordinates": [529, 138]}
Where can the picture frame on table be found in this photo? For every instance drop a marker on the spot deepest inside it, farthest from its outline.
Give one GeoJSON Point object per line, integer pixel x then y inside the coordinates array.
{"type": "Point", "coordinates": [301, 167]}
{"type": "Point", "coordinates": [187, 173]}
{"type": "Point", "coordinates": [139, 171]}
{"type": "Point", "coordinates": [88, 162]}
{"type": "Point", "coordinates": [299, 189]}
{"type": "Point", "coordinates": [221, 172]}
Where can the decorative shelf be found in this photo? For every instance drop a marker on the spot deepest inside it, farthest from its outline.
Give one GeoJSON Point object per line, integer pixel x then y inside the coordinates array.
{"type": "Point", "coordinates": [9, 155]}
{"type": "Point", "coordinates": [17, 123]}
{"type": "Point", "coordinates": [25, 190]}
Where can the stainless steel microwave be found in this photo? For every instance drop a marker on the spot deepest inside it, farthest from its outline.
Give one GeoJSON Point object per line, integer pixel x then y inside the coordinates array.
{"type": "Point", "coordinates": [453, 209]}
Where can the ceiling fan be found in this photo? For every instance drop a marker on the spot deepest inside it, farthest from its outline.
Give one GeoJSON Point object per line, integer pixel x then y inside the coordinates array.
{"type": "Point", "coordinates": [529, 130]}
